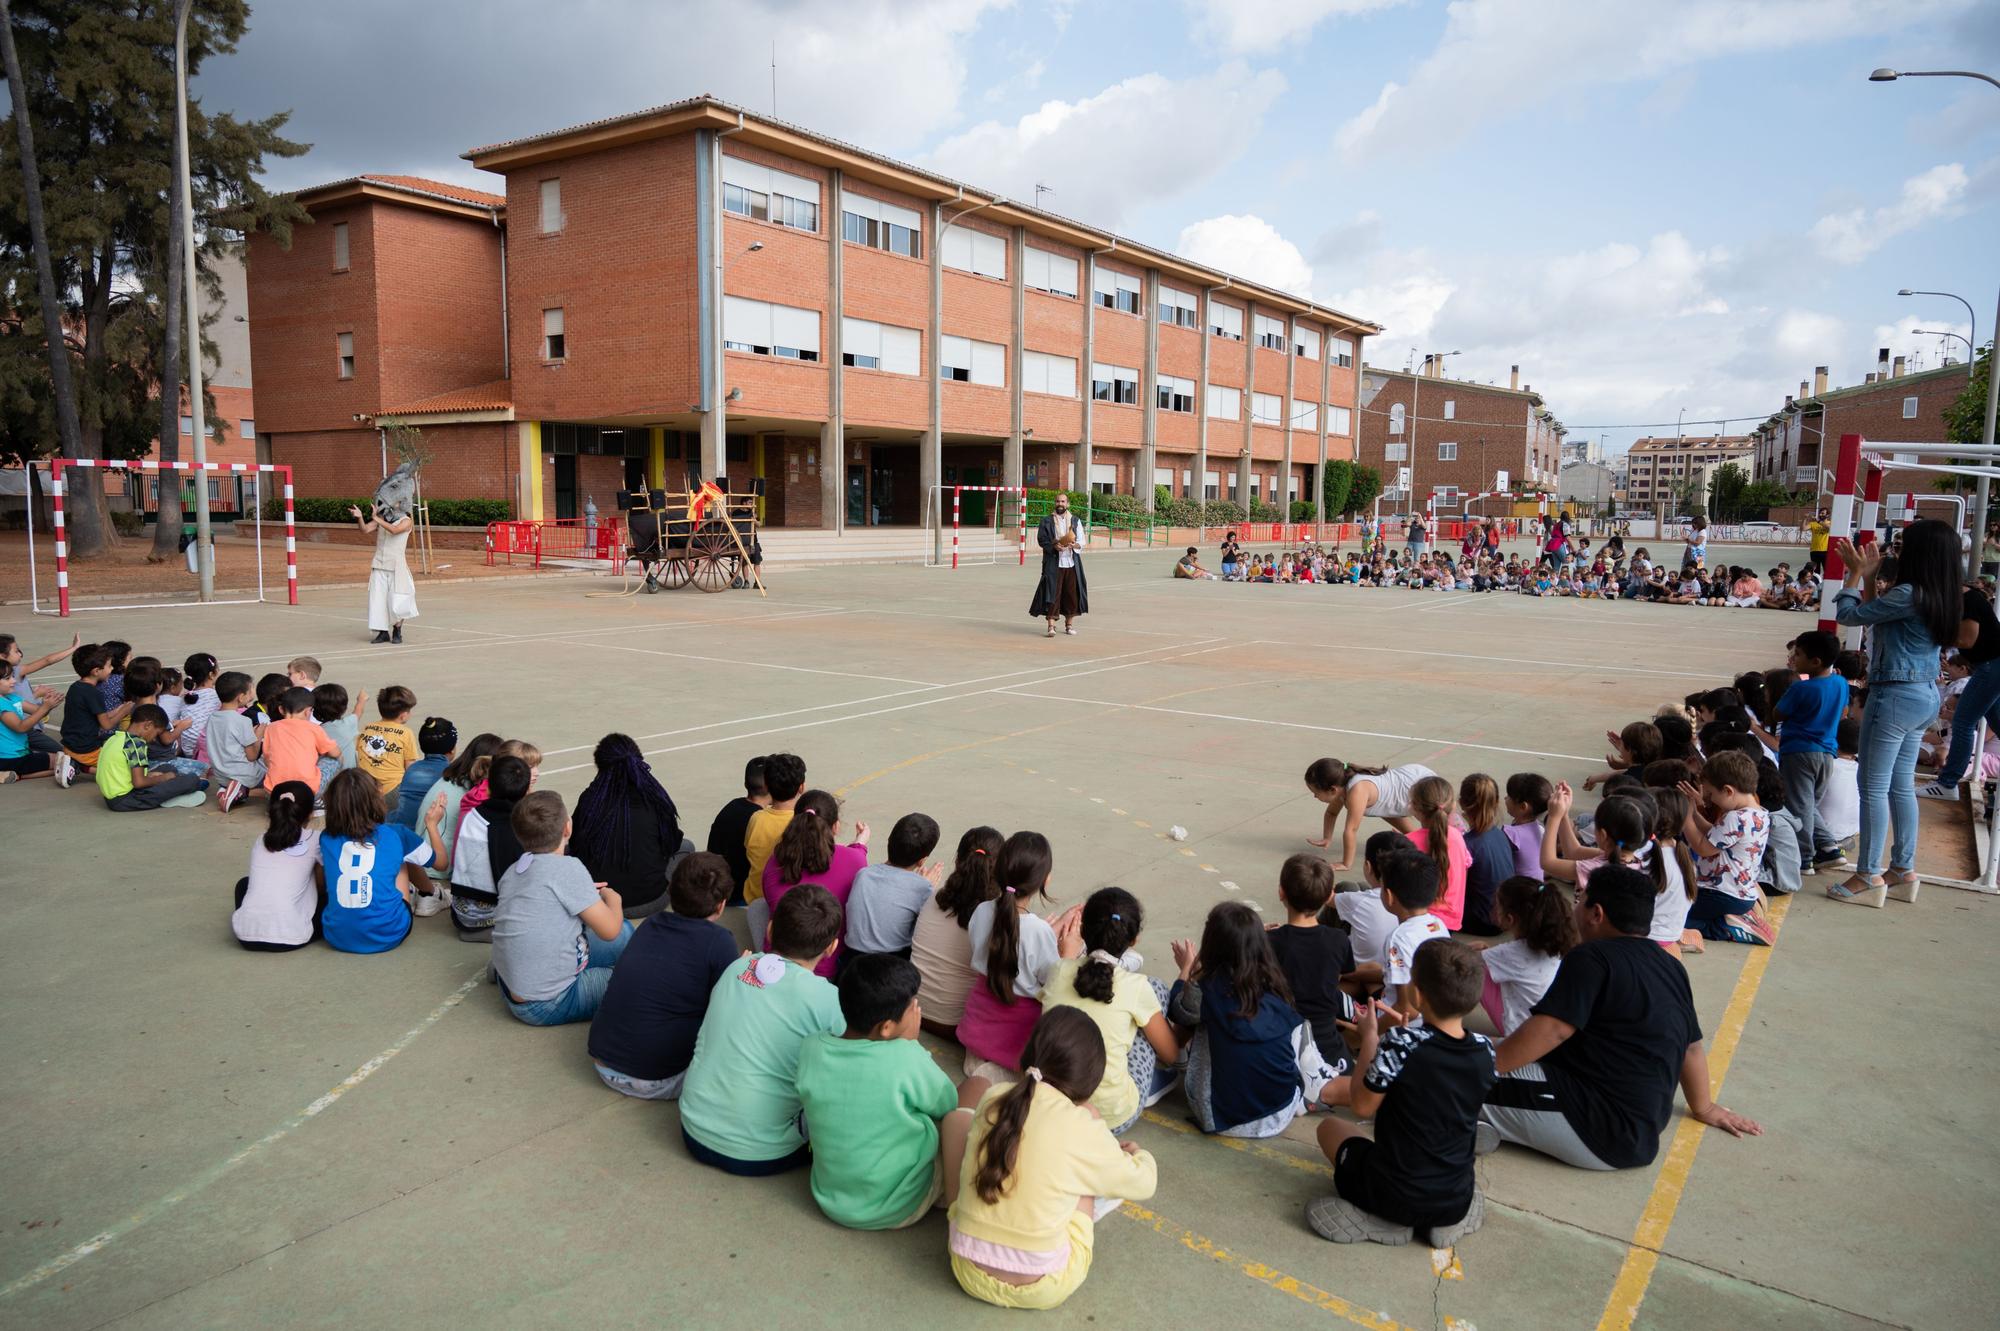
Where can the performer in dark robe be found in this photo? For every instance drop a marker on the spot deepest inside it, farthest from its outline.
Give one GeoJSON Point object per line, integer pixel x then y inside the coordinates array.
{"type": "Point", "coordinates": [1062, 593]}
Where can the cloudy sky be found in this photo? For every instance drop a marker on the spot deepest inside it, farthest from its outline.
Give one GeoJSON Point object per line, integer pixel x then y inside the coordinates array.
{"type": "Point", "coordinates": [1649, 205]}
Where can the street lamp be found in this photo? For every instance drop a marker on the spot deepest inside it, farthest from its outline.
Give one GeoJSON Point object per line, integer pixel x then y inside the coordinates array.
{"type": "Point", "coordinates": [1992, 379]}
{"type": "Point", "coordinates": [1972, 341]}
{"type": "Point", "coordinates": [1942, 332]}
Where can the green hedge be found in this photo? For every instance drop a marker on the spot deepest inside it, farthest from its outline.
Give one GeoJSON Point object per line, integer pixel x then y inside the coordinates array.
{"type": "Point", "coordinates": [444, 512]}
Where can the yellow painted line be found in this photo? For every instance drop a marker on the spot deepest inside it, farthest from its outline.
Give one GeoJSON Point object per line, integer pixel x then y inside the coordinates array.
{"type": "Point", "coordinates": [859, 781]}
{"type": "Point", "coordinates": [1312, 1295]}
{"type": "Point", "coordinates": [1258, 1149]}
{"type": "Point", "coordinates": [1651, 1234]}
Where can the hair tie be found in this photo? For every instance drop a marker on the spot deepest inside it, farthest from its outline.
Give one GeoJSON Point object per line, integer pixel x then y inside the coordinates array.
{"type": "Point", "coordinates": [1033, 1074]}
{"type": "Point", "coordinates": [977, 851]}
{"type": "Point", "coordinates": [811, 812]}
{"type": "Point", "coordinates": [1116, 916]}
{"type": "Point", "coordinates": [1099, 954]}
{"type": "Point", "coordinates": [1008, 890]}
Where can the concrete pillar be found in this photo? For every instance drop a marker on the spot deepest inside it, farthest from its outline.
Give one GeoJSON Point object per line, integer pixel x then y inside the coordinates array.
{"type": "Point", "coordinates": [1012, 469]}
{"type": "Point", "coordinates": [1284, 498]}
{"type": "Point", "coordinates": [930, 451]}
{"type": "Point", "coordinates": [708, 248]}
{"type": "Point", "coordinates": [528, 506]}
{"type": "Point", "coordinates": [833, 435]}
{"type": "Point", "coordinates": [1087, 371]}
{"type": "Point", "coordinates": [1149, 395]}
{"type": "Point", "coordinates": [656, 458]}
{"type": "Point", "coordinates": [1200, 495]}
{"type": "Point", "coordinates": [1318, 496]}
{"type": "Point", "coordinates": [1249, 414]}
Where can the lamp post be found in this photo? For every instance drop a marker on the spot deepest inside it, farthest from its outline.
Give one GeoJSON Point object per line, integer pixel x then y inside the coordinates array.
{"type": "Point", "coordinates": [203, 539]}
{"type": "Point", "coordinates": [1972, 341]}
{"type": "Point", "coordinates": [1943, 332]}
{"type": "Point", "coordinates": [1992, 379]}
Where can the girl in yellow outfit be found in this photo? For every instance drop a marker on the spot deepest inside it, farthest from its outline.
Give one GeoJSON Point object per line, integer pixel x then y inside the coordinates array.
{"type": "Point", "coordinates": [1039, 1168]}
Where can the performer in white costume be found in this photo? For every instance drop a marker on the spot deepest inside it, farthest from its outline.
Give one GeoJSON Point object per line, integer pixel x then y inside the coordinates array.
{"type": "Point", "coordinates": [392, 592]}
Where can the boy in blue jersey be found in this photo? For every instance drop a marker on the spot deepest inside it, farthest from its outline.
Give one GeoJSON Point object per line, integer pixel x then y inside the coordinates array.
{"type": "Point", "coordinates": [369, 864]}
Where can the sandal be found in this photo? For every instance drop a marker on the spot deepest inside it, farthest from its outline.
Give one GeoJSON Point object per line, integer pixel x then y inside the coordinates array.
{"type": "Point", "coordinates": [1692, 943]}
{"type": "Point", "coordinates": [1858, 891]}
{"type": "Point", "coordinates": [1051, 632]}
{"type": "Point", "coordinates": [1904, 888]}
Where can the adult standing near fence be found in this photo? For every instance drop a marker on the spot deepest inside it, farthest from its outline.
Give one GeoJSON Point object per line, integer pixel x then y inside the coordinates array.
{"type": "Point", "coordinates": [1416, 536]}
{"type": "Point", "coordinates": [1817, 530]}
{"type": "Point", "coordinates": [392, 592]}
{"type": "Point", "coordinates": [1062, 592]}
{"type": "Point", "coordinates": [1908, 625]}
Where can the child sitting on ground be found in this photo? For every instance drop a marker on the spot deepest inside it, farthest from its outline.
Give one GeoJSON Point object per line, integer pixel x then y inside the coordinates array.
{"type": "Point", "coordinates": [1314, 956]}
{"type": "Point", "coordinates": [1410, 885]}
{"type": "Point", "coordinates": [88, 716]}
{"type": "Point", "coordinates": [118, 655]}
{"type": "Point", "coordinates": [329, 710]}
{"type": "Point", "coordinates": [642, 1038]}
{"type": "Point", "coordinates": [939, 945]}
{"type": "Point", "coordinates": [1138, 1072]}
{"type": "Point", "coordinates": [1729, 847]}
{"type": "Point", "coordinates": [370, 865]}
{"type": "Point", "coordinates": [732, 821]}
{"type": "Point", "coordinates": [386, 747]}
{"type": "Point", "coordinates": [785, 781]}
{"type": "Point", "coordinates": [1013, 952]}
{"type": "Point", "coordinates": [1839, 804]}
{"type": "Point", "coordinates": [1527, 802]}
{"type": "Point", "coordinates": [1432, 805]}
{"type": "Point", "coordinates": [888, 1128]}
{"type": "Point", "coordinates": [1357, 907]}
{"type": "Point", "coordinates": [448, 792]}
{"type": "Point", "coordinates": [438, 741]}
{"type": "Point", "coordinates": [278, 906]}
{"type": "Point", "coordinates": [270, 688]}
{"type": "Point", "coordinates": [550, 971]}
{"type": "Point", "coordinates": [1518, 971]}
{"type": "Point", "coordinates": [198, 676]}
{"type": "Point", "coordinates": [808, 852]}
{"type": "Point", "coordinates": [740, 1102]}
{"type": "Point", "coordinates": [1039, 1168]}
{"type": "Point", "coordinates": [486, 848]}
{"type": "Point", "coordinates": [1424, 1086]}
{"type": "Point", "coordinates": [145, 683]}
{"type": "Point", "coordinates": [628, 829]}
{"type": "Point", "coordinates": [20, 714]}
{"type": "Point", "coordinates": [230, 739]}
{"type": "Point", "coordinates": [1492, 853]}
{"type": "Point", "coordinates": [883, 905]}
{"type": "Point", "coordinates": [1674, 881]}
{"type": "Point", "coordinates": [294, 744]}
{"type": "Point", "coordinates": [1253, 1066]}
{"type": "Point", "coordinates": [124, 777]}
{"type": "Point", "coordinates": [302, 672]}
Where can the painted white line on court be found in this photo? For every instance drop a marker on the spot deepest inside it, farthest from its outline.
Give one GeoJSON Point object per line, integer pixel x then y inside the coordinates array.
{"type": "Point", "coordinates": [104, 1238]}
{"type": "Point", "coordinates": [1293, 725]}
{"type": "Point", "coordinates": [1500, 660]}
{"type": "Point", "coordinates": [755, 665]}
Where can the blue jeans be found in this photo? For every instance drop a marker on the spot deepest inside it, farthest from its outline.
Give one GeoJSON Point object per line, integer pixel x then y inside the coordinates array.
{"type": "Point", "coordinates": [1981, 699]}
{"type": "Point", "coordinates": [579, 1001]}
{"type": "Point", "coordinates": [1892, 725]}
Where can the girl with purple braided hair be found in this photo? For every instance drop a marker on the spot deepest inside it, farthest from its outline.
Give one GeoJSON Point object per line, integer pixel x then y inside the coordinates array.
{"type": "Point", "coordinates": [626, 828]}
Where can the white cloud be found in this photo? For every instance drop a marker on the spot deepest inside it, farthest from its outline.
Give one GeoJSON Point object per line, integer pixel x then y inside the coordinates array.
{"type": "Point", "coordinates": [1927, 352]}
{"type": "Point", "coordinates": [1146, 138]}
{"type": "Point", "coordinates": [1498, 57]}
{"type": "Point", "coordinates": [1805, 337]}
{"type": "Point", "coordinates": [1853, 235]}
{"type": "Point", "coordinates": [1247, 246]}
{"type": "Point", "coordinates": [1258, 27]}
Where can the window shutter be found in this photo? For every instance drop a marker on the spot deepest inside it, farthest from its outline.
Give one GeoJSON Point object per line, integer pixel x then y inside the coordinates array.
{"type": "Point", "coordinates": [552, 323]}
{"type": "Point", "coordinates": [900, 350]}
{"type": "Point", "coordinates": [860, 205]}
{"type": "Point", "coordinates": [956, 352]}
{"type": "Point", "coordinates": [552, 215]}
{"type": "Point", "coordinates": [955, 250]}
{"type": "Point", "coordinates": [797, 187]}
{"type": "Point", "coordinates": [989, 255]}
{"type": "Point", "coordinates": [791, 327]}
{"type": "Point", "coordinates": [746, 321]}
{"type": "Point", "coordinates": [989, 364]}
{"type": "Point", "coordinates": [340, 244]}
{"type": "Point", "coordinates": [861, 337]}
{"type": "Point", "coordinates": [902, 217]}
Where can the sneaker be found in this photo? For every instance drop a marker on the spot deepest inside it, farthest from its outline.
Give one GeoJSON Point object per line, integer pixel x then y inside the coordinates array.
{"type": "Point", "coordinates": [1938, 790]}
{"type": "Point", "coordinates": [1838, 864]}
{"type": "Point", "coordinates": [1743, 929]}
{"type": "Point", "coordinates": [430, 903]}
{"type": "Point", "coordinates": [231, 796]}
{"type": "Point", "coordinates": [7, 777]}
{"type": "Point", "coordinates": [466, 935]}
{"type": "Point", "coordinates": [194, 799]}
{"type": "Point", "coordinates": [1446, 1236]}
{"type": "Point", "coordinates": [1485, 1138]}
{"type": "Point", "coordinates": [65, 770]}
{"type": "Point", "coordinates": [1338, 1220]}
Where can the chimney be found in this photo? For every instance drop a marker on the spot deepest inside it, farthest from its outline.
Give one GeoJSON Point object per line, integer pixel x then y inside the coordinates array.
{"type": "Point", "coordinates": [1788, 402]}
{"type": "Point", "coordinates": [1897, 373]}
{"type": "Point", "coordinates": [1869, 378]}
{"type": "Point", "coordinates": [1805, 390]}
{"type": "Point", "coordinates": [1882, 362]}
{"type": "Point", "coordinates": [1425, 372]}
{"type": "Point", "coordinates": [1514, 377]}
{"type": "Point", "coordinates": [1819, 381]}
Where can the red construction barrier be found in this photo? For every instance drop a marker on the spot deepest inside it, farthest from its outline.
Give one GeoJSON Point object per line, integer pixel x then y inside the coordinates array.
{"type": "Point", "coordinates": [511, 538]}
{"type": "Point", "coordinates": [580, 538]}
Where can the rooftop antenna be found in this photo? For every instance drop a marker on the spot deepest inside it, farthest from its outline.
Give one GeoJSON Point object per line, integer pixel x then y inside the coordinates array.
{"type": "Point", "coordinates": [774, 80]}
{"type": "Point", "coordinates": [1040, 190]}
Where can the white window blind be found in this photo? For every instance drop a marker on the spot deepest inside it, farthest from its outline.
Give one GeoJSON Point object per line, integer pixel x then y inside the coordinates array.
{"type": "Point", "coordinates": [1103, 473]}
{"type": "Point", "coordinates": [876, 210]}
{"type": "Point", "coordinates": [340, 244]}
{"type": "Point", "coordinates": [1266, 408]}
{"type": "Point", "coordinates": [1178, 307]}
{"type": "Point", "coordinates": [1114, 383]}
{"type": "Point", "coordinates": [554, 345]}
{"type": "Point", "coordinates": [1225, 320]}
{"type": "Point", "coordinates": [1116, 290]}
{"type": "Point", "coordinates": [1450, 409]}
{"type": "Point", "coordinates": [1305, 341]}
{"type": "Point", "coordinates": [1174, 393]}
{"type": "Point", "coordinates": [1049, 272]}
{"type": "Point", "coordinates": [1339, 420]}
{"type": "Point", "coordinates": [968, 361]}
{"type": "Point", "coordinates": [974, 252]}
{"type": "Point", "coordinates": [1043, 373]}
{"type": "Point", "coordinates": [1343, 352]}
{"type": "Point", "coordinates": [872, 346]}
{"type": "Point", "coordinates": [246, 429]}
{"type": "Point", "coordinates": [552, 213]}
{"type": "Point", "coordinates": [770, 330]}
{"type": "Point", "coordinates": [760, 179]}
{"type": "Point", "coordinates": [1305, 415]}
{"type": "Point", "coordinates": [1225, 403]}
{"type": "Point", "coordinates": [1164, 476]}
{"type": "Point", "coordinates": [1271, 333]}
{"type": "Point", "coordinates": [343, 347]}
{"type": "Point", "coordinates": [1211, 484]}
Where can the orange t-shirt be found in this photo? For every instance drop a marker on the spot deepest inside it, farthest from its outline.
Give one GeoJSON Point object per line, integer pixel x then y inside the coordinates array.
{"type": "Point", "coordinates": [292, 749]}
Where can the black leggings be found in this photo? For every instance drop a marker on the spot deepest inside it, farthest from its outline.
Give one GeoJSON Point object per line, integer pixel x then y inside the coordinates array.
{"type": "Point", "coordinates": [28, 764]}
{"type": "Point", "coordinates": [243, 888]}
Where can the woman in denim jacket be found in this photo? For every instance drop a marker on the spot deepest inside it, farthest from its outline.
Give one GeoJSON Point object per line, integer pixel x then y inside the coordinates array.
{"type": "Point", "coordinates": [1907, 626]}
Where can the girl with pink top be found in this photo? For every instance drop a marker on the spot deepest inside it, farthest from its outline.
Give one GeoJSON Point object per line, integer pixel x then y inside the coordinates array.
{"type": "Point", "coordinates": [1432, 805]}
{"type": "Point", "coordinates": [807, 853]}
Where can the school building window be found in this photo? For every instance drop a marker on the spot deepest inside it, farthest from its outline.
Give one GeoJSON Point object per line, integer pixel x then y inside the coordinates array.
{"type": "Point", "coordinates": [1909, 408]}
{"type": "Point", "coordinates": [1265, 408]}
{"type": "Point", "coordinates": [1116, 290]}
{"type": "Point", "coordinates": [1174, 394]}
{"type": "Point", "coordinates": [1447, 452]}
{"type": "Point", "coordinates": [552, 213]}
{"type": "Point", "coordinates": [1271, 333]}
{"type": "Point", "coordinates": [1225, 404]}
{"type": "Point", "coordinates": [553, 343]}
{"type": "Point", "coordinates": [1104, 477]}
{"type": "Point", "coordinates": [1178, 308]}
{"type": "Point", "coordinates": [1396, 452]}
{"type": "Point", "coordinates": [1211, 485]}
{"type": "Point", "coordinates": [881, 226]}
{"type": "Point", "coordinates": [1306, 343]}
{"type": "Point", "coordinates": [1339, 420]}
{"type": "Point", "coordinates": [339, 247]}
{"type": "Point", "coordinates": [1343, 353]}
{"type": "Point", "coordinates": [968, 361]}
{"type": "Point", "coordinates": [1225, 321]}
{"type": "Point", "coordinates": [1048, 272]}
{"type": "Point", "coordinates": [867, 345]}
{"type": "Point", "coordinates": [764, 329]}
{"type": "Point", "coordinates": [246, 429]}
{"type": "Point", "coordinates": [1305, 415]}
{"type": "Point", "coordinates": [187, 425]}
{"type": "Point", "coordinates": [1115, 383]}
{"type": "Point", "coordinates": [1043, 373]}
{"type": "Point", "coordinates": [767, 194]}
{"type": "Point", "coordinates": [973, 252]}
{"type": "Point", "coordinates": [343, 347]}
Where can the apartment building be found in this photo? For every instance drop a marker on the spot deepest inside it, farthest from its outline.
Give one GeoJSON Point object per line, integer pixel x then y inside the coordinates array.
{"type": "Point", "coordinates": [1797, 446]}
{"type": "Point", "coordinates": [1658, 469]}
{"type": "Point", "coordinates": [698, 290]}
{"type": "Point", "coordinates": [1443, 439]}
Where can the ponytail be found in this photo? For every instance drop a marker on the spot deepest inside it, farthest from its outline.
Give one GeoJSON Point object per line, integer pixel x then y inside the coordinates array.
{"type": "Point", "coordinates": [806, 845]}
{"type": "Point", "coordinates": [1025, 863]}
{"type": "Point", "coordinates": [1541, 915]}
{"type": "Point", "coordinates": [1667, 831]}
{"type": "Point", "coordinates": [1430, 803]}
{"type": "Point", "coordinates": [1334, 773]}
{"type": "Point", "coordinates": [291, 808]}
{"type": "Point", "coordinates": [1111, 921]}
{"type": "Point", "coordinates": [974, 876]}
{"type": "Point", "coordinates": [1065, 1052]}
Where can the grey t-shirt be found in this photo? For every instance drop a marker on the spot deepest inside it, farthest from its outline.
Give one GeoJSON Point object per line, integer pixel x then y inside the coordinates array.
{"type": "Point", "coordinates": [538, 943]}
{"type": "Point", "coordinates": [229, 733]}
{"type": "Point", "coordinates": [882, 908]}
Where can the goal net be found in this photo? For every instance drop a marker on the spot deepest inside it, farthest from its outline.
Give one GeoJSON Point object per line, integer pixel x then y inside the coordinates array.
{"type": "Point", "coordinates": [978, 524]}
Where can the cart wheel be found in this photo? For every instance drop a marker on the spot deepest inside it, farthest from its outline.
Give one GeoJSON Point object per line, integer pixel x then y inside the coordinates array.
{"type": "Point", "coordinates": [712, 560]}
{"type": "Point", "coordinates": [673, 572]}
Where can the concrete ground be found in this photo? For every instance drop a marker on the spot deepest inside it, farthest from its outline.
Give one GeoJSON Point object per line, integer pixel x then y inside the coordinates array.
{"type": "Point", "coordinates": [195, 1135]}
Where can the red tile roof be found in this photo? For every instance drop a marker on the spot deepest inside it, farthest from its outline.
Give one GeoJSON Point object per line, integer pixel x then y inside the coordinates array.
{"type": "Point", "coordinates": [495, 396]}
{"type": "Point", "coordinates": [417, 185]}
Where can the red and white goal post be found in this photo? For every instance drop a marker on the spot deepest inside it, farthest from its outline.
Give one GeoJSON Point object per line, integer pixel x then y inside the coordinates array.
{"type": "Point", "coordinates": [982, 543]}
{"type": "Point", "coordinates": [151, 466]}
{"type": "Point", "coordinates": [1464, 504]}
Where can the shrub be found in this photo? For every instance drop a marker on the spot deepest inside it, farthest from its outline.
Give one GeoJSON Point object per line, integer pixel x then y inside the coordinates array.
{"type": "Point", "coordinates": [1304, 510]}
{"type": "Point", "coordinates": [1181, 513]}
{"type": "Point", "coordinates": [444, 512]}
{"type": "Point", "coordinates": [1263, 512]}
{"type": "Point", "coordinates": [1220, 512]}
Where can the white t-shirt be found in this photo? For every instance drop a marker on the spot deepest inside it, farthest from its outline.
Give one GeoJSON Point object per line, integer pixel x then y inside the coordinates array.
{"type": "Point", "coordinates": [278, 907]}
{"type": "Point", "coordinates": [1369, 923]}
{"type": "Point", "coordinates": [1401, 949]}
{"type": "Point", "coordinates": [203, 707]}
{"type": "Point", "coordinates": [1522, 976]}
{"type": "Point", "coordinates": [470, 865]}
{"type": "Point", "coordinates": [1036, 957]}
{"type": "Point", "coordinates": [1840, 801]}
{"type": "Point", "coordinates": [173, 704]}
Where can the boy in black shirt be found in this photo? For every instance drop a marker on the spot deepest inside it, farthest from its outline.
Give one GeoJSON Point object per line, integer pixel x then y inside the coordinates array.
{"type": "Point", "coordinates": [88, 718]}
{"type": "Point", "coordinates": [725, 834]}
{"type": "Point", "coordinates": [1424, 1087]}
{"type": "Point", "coordinates": [1314, 957]}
